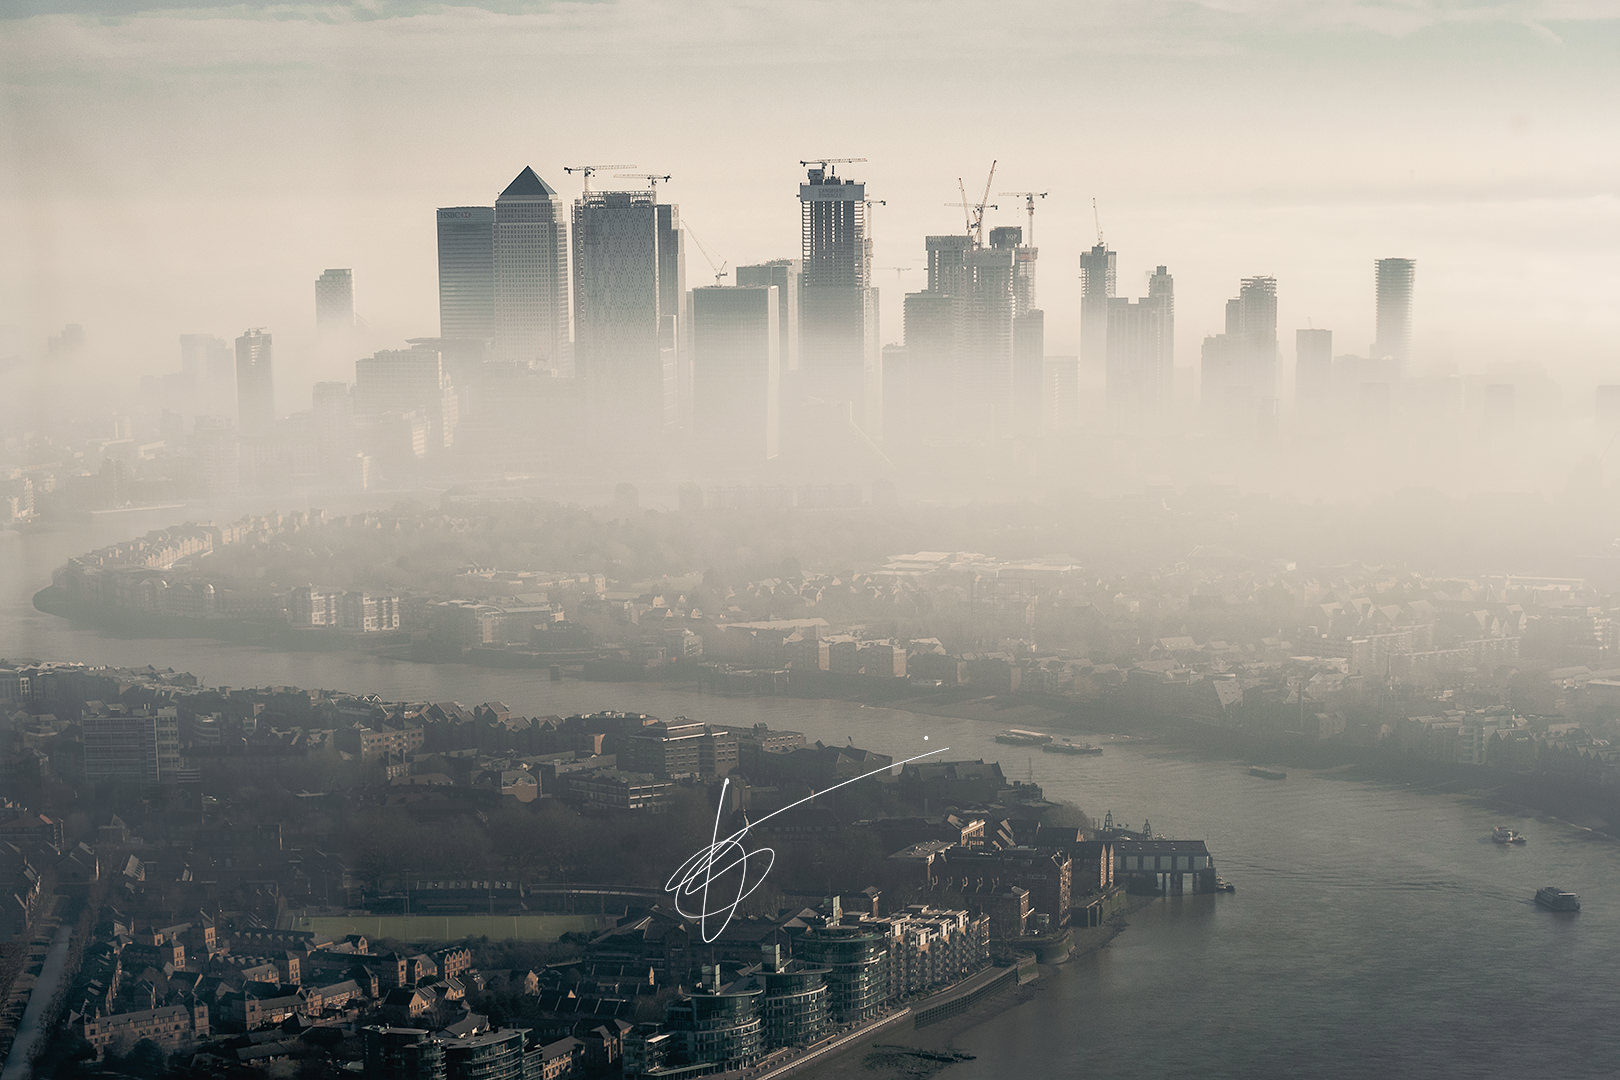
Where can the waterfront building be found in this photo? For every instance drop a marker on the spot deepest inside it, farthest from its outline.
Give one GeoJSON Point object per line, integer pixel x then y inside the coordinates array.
{"type": "Point", "coordinates": [718, 1024]}
{"type": "Point", "coordinates": [793, 1008]}
{"type": "Point", "coordinates": [1166, 866]}
{"type": "Point", "coordinates": [466, 236]}
{"type": "Point", "coordinates": [838, 307]}
{"type": "Point", "coordinates": [531, 277]}
{"type": "Point", "coordinates": [255, 384]}
{"type": "Point", "coordinates": [737, 372]}
{"type": "Point", "coordinates": [857, 962]}
{"type": "Point", "coordinates": [334, 300]}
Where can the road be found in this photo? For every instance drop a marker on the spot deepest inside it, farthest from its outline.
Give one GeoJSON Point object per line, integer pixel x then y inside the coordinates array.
{"type": "Point", "coordinates": [19, 1063]}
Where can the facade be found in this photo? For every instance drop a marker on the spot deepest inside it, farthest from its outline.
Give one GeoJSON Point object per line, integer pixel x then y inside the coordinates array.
{"type": "Point", "coordinates": [173, 1027]}
{"type": "Point", "coordinates": [141, 749]}
{"type": "Point", "coordinates": [672, 750]}
{"type": "Point", "coordinates": [793, 1007]}
{"type": "Point", "coordinates": [1313, 370]}
{"type": "Point", "coordinates": [531, 277]}
{"type": "Point", "coordinates": [397, 382]}
{"type": "Point", "coordinates": [615, 789]}
{"type": "Point", "coordinates": [718, 1025]}
{"type": "Point", "coordinates": [838, 332]}
{"type": "Point", "coordinates": [737, 370]}
{"type": "Point", "coordinates": [1097, 273]}
{"type": "Point", "coordinates": [1136, 378]}
{"type": "Point", "coordinates": [857, 963]}
{"type": "Point", "coordinates": [625, 313]}
{"type": "Point", "coordinates": [1394, 283]}
{"type": "Point", "coordinates": [466, 273]}
{"type": "Point", "coordinates": [1239, 366]}
{"type": "Point", "coordinates": [255, 384]}
{"type": "Point", "coordinates": [334, 300]}
{"type": "Point", "coordinates": [784, 274]}
{"type": "Point", "coordinates": [1167, 866]}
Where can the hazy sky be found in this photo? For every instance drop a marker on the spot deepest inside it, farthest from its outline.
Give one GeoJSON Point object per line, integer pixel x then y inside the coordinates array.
{"type": "Point", "coordinates": [169, 168]}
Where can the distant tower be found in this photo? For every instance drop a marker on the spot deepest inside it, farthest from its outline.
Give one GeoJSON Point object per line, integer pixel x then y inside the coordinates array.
{"type": "Point", "coordinates": [1313, 370]}
{"type": "Point", "coordinates": [736, 377]}
{"type": "Point", "coordinates": [334, 300]}
{"type": "Point", "coordinates": [466, 273]}
{"type": "Point", "coordinates": [1028, 330]}
{"type": "Point", "coordinates": [1239, 367]}
{"type": "Point", "coordinates": [1096, 288]}
{"type": "Point", "coordinates": [1394, 311]}
{"type": "Point", "coordinates": [531, 277]}
{"type": "Point", "coordinates": [625, 340]}
{"type": "Point", "coordinates": [838, 332]}
{"type": "Point", "coordinates": [1162, 296]}
{"type": "Point", "coordinates": [784, 274]}
{"type": "Point", "coordinates": [255, 384]}
{"type": "Point", "coordinates": [1139, 351]}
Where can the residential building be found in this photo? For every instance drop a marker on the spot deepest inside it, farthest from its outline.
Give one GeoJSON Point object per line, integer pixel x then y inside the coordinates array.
{"type": "Point", "coordinates": [137, 748]}
{"type": "Point", "coordinates": [1097, 281]}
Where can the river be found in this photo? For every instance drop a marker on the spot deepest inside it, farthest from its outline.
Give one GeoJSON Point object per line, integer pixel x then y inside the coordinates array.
{"type": "Point", "coordinates": [1376, 930]}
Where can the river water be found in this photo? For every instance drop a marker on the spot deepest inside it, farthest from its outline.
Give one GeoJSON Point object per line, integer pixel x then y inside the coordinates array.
{"type": "Point", "coordinates": [1376, 930]}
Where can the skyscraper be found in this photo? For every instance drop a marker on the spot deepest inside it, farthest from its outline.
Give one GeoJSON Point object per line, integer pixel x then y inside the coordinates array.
{"type": "Point", "coordinates": [1394, 341]}
{"type": "Point", "coordinates": [736, 371]}
{"type": "Point", "coordinates": [1313, 370]}
{"type": "Point", "coordinates": [398, 382]}
{"type": "Point", "coordinates": [1239, 366]}
{"type": "Point", "coordinates": [334, 300]}
{"type": "Point", "coordinates": [1139, 352]}
{"type": "Point", "coordinates": [784, 274]}
{"type": "Point", "coordinates": [1096, 288]}
{"type": "Point", "coordinates": [626, 338]}
{"type": "Point", "coordinates": [1028, 329]}
{"type": "Point", "coordinates": [466, 273]}
{"type": "Point", "coordinates": [531, 277]}
{"type": "Point", "coordinates": [838, 333]}
{"type": "Point", "coordinates": [255, 384]}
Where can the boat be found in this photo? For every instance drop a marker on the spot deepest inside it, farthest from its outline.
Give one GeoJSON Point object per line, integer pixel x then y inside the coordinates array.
{"type": "Point", "coordinates": [1019, 737]}
{"type": "Point", "coordinates": [1555, 899]}
{"type": "Point", "coordinates": [1267, 774]}
{"type": "Point", "coordinates": [1067, 747]}
{"type": "Point", "coordinates": [1504, 835]}
{"type": "Point", "coordinates": [1222, 885]}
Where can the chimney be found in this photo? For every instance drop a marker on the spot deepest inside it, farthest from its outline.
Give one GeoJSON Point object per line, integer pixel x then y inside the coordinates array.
{"type": "Point", "coordinates": [771, 956]}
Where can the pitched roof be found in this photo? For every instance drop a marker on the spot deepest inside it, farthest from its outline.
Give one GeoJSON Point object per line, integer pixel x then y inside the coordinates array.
{"type": "Point", "coordinates": [528, 186]}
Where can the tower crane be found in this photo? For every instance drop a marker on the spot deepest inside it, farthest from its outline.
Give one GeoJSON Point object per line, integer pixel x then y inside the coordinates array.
{"type": "Point", "coordinates": [653, 179]}
{"type": "Point", "coordinates": [1029, 198]}
{"type": "Point", "coordinates": [826, 161]}
{"type": "Point", "coordinates": [589, 169]}
{"type": "Point", "coordinates": [1096, 220]}
{"type": "Point", "coordinates": [720, 271]}
{"type": "Point", "coordinates": [984, 203]}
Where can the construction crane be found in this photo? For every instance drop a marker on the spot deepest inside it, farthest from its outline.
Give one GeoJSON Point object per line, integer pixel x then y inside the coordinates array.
{"type": "Point", "coordinates": [973, 213]}
{"type": "Point", "coordinates": [898, 270]}
{"type": "Point", "coordinates": [1029, 198]}
{"type": "Point", "coordinates": [720, 271]}
{"type": "Point", "coordinates": [589, 169]}
{"type": "Point", "coordinates": [653, 179]}
{"type": "Point", "coordinates": [1097, 220]}
{"type": "Point", "coordinates": [826, 161]}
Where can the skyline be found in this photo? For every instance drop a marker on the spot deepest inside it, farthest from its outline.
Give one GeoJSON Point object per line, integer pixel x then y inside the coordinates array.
{"type": "Point", "coordinates": [1455, 146]}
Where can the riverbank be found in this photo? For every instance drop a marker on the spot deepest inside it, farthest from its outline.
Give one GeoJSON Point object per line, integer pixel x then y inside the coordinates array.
{"type": "Point", "coordinates": [918, 1053]}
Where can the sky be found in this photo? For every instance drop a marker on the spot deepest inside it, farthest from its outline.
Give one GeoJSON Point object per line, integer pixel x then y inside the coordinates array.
{"type": "Point", "coordinates": [168, 168]}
